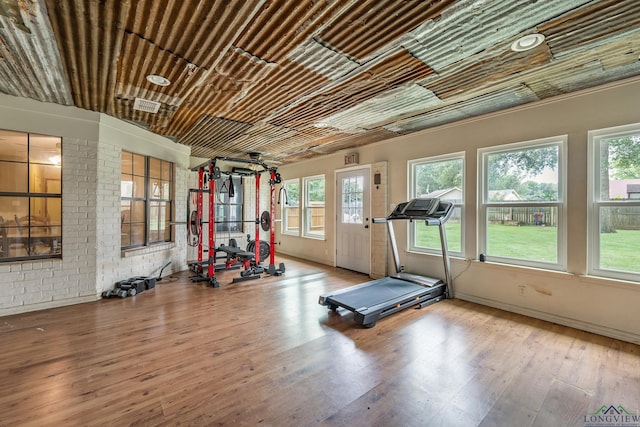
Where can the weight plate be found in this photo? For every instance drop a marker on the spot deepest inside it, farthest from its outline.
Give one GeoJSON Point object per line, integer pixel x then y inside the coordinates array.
{"type": "Point", "coordinates": [265, 221]}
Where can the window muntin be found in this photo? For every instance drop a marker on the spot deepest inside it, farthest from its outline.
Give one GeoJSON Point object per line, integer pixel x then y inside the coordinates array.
{"type": "Point", "coordinates": [30, 196]}
{"type": "Point", "coordinates": [614, 208]}
{"type": "Point", "coordinates": [314, 200]}
{"type": "Point", "coordinates": [146, 200]}
{"type": "Point", "coordinates": [291, 207]}
{"type": "Point", "coordinates": [441, 177]}
{"type": "Point", "coordinates": [522, 203]}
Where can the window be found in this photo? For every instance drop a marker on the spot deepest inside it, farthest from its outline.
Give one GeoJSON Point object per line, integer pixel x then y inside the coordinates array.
{"type": "Point", "coordinates": [146, 200]}
{"type": "Point", "coordinates": [30, 196]}
{"type": "Point", "coordinates": [614, 208]}
{"type": "Point", "coordinates": [521, 215]}
{"type": "Point", "coordinates": [352, 200]}
{"type": "Point", "coordinates": [290, 207]}
{"type": "Point", "coordinates": [438, 177]}
{"type": "Point", "coordinates": [314, 206]}
{"type": "Point", "coordinates": [229, 204]}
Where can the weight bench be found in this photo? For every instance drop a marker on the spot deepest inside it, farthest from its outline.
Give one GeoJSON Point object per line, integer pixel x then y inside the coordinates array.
{"type": "Point", "coordinates": [247, 259]}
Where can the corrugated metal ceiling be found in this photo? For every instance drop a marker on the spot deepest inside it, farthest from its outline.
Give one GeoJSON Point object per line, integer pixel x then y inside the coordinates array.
{"type": "Point", "coordinates": [298, 79]}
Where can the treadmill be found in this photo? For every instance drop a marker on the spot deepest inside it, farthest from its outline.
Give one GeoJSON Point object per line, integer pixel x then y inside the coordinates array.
{"type": "Point", "coordinates": [379, 298]}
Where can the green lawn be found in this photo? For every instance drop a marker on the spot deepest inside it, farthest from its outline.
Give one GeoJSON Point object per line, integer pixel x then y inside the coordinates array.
{"type": "Point", "coordinates": [619, 251]}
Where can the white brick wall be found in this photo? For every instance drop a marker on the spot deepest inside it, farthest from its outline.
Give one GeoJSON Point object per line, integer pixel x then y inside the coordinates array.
{"type": "Point", "coordinates": [379, 209]}
{"type": "Point", "coordinates": [49, 283]}
{"type": "Point", "coordinates": [114, 265]}
{"type": "Point", "coordinates": [92, 260]}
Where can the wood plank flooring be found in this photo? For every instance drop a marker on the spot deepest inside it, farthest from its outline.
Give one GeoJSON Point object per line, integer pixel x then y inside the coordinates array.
{"type": "Point", "coordinates": [264, 353]}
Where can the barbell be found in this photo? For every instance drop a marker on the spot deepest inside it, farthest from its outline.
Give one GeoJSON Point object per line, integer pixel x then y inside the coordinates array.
{"type": "Point", "coordinates": [264, 221]}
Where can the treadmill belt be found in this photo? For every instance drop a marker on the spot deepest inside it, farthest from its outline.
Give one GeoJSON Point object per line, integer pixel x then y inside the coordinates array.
{"type": "Point", "coordinates": [378, 292]}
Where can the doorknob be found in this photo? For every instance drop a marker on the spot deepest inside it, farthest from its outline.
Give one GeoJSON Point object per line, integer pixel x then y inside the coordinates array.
{"type": "Point", "coordinates": [366, 226]}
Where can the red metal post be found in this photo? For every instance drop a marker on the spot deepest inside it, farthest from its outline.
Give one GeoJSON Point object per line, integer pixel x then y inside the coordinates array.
{"type": "Point", "coordinates": [272, 211]}
{"type": "Point", "coordinates": [212, 225]}
{"type": "Point", "coordinates": [257, 248]}
{"type": "Point", "coordinates": [199, 212]}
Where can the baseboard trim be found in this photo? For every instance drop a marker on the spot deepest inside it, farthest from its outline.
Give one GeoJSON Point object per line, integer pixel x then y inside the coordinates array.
{"type": "Point", "coordinates": [553, 318]}
{"type": "Point", "coordinates": [45, 305]}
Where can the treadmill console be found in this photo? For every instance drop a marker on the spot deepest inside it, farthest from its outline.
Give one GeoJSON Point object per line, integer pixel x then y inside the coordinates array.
{"type": "Point", "coordinates": [416, 208]}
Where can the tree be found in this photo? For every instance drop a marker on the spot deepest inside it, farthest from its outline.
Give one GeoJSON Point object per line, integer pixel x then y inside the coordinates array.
{"type": "Point", "coordinates": [438, 176]}
{"type": "Point", "coordinates": [624, 157]}
{"type": "Point", "coordinates": [521, 170]}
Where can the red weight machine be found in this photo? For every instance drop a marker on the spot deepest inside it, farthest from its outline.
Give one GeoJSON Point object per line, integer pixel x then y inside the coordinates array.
{"type": "Point", "coordinates": [257, 251]}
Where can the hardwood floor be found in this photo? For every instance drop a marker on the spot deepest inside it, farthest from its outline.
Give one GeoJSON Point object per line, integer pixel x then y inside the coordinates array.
{"type": "Point", "coordinates": [265, 353]}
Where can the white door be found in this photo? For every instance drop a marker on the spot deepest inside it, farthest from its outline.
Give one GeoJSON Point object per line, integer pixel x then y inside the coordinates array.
{"type": "Point", "coordinates": [353, 225]}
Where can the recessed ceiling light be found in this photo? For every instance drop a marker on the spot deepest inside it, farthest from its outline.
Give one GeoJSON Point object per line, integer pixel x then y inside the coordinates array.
{"type": "Point", "coordinates": [158, 80]}
{"type": "Point", "coordinates": [527, 42]}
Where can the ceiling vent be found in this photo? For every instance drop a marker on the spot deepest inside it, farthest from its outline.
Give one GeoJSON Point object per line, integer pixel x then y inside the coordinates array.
{"type": "Point", "coordinates": [146, 105]}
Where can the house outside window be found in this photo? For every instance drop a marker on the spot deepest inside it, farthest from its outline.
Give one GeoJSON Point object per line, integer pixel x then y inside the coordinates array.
{"type": "Point", "coordinates": [522, 203]}
{"type": "Point", "coordinates": [146, 200]}
{"type": "Point", "coordinates": [614, 203]}
{"type": "Point", "coordinates": [30, 196]}
{"type": "Point", "coordinates": [438, 177]}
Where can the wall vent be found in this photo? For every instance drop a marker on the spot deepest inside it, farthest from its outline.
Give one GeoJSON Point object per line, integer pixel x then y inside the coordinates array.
{"type": "Point", "coordinates": [146, 105]}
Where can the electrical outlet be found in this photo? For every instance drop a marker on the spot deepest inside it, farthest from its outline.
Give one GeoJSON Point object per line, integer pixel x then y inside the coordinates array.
{"type": "Point", "coordinates": [521, 290]}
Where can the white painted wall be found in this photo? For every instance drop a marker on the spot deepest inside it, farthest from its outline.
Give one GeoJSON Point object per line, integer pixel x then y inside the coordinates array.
{"type": "Point", "coordinates": [92, 261]}
{"type": "Point", "coordinates": [604, 306]}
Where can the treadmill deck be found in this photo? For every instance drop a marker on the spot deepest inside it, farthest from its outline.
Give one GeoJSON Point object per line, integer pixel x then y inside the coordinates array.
{"type": "Point", "coordinates": [378, 298]}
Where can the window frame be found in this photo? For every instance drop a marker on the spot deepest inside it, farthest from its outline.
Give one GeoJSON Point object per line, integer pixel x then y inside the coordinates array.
{"type": "Point", "coordinates": [52, 230]}
{"type": "Point", "coordinates": [594, 201]}
{"type": "Point", "coordinates": [284, 226]}
{"type": "Point", "coordinates": [148, 200]}
{"type": "Point", "coordinates": [560, 204]}
{"type": "Point", "coordinates": [412, 187]}
{"type": "Point", "coordinates": [306, 221]}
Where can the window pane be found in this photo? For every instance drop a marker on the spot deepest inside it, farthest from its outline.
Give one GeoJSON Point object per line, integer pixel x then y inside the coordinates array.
{"type": "Point", "coordinates": [620, 238]}
{"type": "Point", "coordinates": [523, 175]}
{"type": "Point", "coordinates": [125, 236]}
{"type": "Point", "coordinates": [166, 171]}
{"type": "Point", "coordinates": [14, 146]}
{"type": "Point", "coordinates": [45, 179]}
{"type": "Point", "coordinates": [137, 214]}
{"type": "Point", "coordinates": [43, 208]}
{"type": "Point", "coordinates": [126, 166]}
{"type": "Point", "coordinates": [155, 189]}
{"type": "Point", "coordinates": [314, 209]}
{"type": "Point", "coordinates": [441, 179]}
{"type": "Point", "coordinates": [138, 187]}
{"type": "Point", "coordinates": [154, 168]}
{"type": "Point", "coordinates": [523, 233]}
{"type": "Point", "coordinates": [352, 189]}
{"type": "Point", "coordinates": [138, 165]}
{"type": "Point", "coordinates": [428, 237]}
{"type": "Point", "coordinates": [137, 234]}
{"type": "Point", "coordinates": [291, 201]}
{"type": "Point", "coordinates": [45, 149]}
{"type": "Point", "coordinates": [13, 177]}
{"type": "Point", "coordinates": [166, 190]}
{"type": "Point", "coordinates": [13, 207]}
{"type": "Point", "coordinates": [620, 168]}
{"type": "Point", "coordinates": [315, 190]}
{"type": "Point", "coordinates": [126, 185]}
